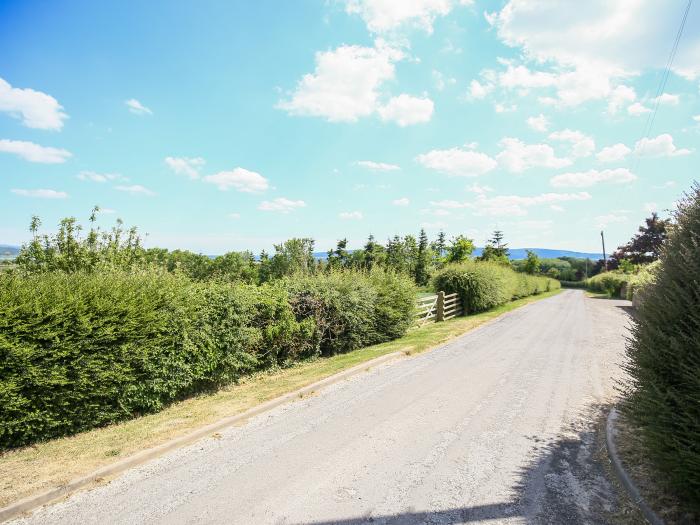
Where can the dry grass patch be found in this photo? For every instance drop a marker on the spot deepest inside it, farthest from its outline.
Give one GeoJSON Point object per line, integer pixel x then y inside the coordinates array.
{"type": "Point", "coordinates": [43, 466]}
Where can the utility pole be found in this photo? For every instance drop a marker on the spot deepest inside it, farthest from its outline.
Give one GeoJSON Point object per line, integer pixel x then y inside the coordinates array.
{"type": "Point", "coordinates": [605, 259]}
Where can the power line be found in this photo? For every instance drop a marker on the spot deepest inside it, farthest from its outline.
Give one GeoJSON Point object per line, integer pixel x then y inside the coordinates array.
{"type": "Point", "coordinates": [662, 85]}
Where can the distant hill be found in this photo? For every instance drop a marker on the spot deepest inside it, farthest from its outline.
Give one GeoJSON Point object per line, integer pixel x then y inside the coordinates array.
{"type": "Point", "coordinates": [547, 253]}
{"type": "Point", "coordinates": [8, 252]}
{"type": "Point", "coordinates": [518, 253]}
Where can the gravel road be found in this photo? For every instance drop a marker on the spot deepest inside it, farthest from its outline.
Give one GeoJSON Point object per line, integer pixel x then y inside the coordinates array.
{"type": "Point", "coordinates": [494, 427]}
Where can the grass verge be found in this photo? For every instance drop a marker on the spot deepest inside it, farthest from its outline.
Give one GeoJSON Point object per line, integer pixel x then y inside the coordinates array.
{"type": "Point", "coordinates": [42, 466]}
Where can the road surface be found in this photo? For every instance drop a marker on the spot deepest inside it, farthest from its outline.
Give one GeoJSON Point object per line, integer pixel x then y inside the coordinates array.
{"type": "Point", "coordinates": [494, 427]}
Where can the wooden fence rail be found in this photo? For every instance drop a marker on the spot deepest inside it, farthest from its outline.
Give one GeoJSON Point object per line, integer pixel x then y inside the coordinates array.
{"type": "Point", "coordinates": [438, 307]}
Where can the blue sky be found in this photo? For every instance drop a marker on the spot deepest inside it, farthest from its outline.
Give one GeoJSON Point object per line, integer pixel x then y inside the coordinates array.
{"type": "Point", "coordinates": [218, 126]}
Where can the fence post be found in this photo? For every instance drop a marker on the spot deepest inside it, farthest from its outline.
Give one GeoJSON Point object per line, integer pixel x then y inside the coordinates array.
{"type": "Point", "coordinates": [440, 314]}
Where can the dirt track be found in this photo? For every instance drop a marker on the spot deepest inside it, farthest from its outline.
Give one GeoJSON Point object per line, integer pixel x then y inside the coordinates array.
{"type": "Point", "coordinates": [494, 427]}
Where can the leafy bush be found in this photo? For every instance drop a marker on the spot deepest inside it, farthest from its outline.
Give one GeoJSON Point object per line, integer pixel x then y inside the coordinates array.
{"type": "Point", "coordinates": [664, 358]}
{"type": "Point", "coordinates": [572, 284]}
{"type": "Point", "coordinates": [352, 309]}
{"type": "Point", "coordinates": [611, 283]}
{"type": "Point", "coordinates": [82, 350]}
{"type": "Point", "coordinates": [483, 285]}
{"type": "Point", "coordinates": [641, 281]}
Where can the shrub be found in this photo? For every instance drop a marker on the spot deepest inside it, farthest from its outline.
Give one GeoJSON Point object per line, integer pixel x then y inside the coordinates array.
{"type": "Point", "coordinates": [664, 358]}
{"type": "Point", "coordinates": [352, 309]}
{"type": "Point", "coordinates": [610, 283]}
{"type": "Point", "coordinates": [572, 284]}
{"type": "Point", "coordinates": [483, 285]}
{"type": "Point", "coordinates": [83, 350]}
{"type": "Point", "coordinates": [641, 281]}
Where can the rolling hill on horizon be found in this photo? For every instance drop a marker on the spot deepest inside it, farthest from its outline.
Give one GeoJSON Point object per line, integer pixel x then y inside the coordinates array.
{"type": "Point", "coordinates": [8, 251]}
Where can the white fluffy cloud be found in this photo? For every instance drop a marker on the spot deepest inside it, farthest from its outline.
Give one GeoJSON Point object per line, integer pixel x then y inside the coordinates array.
{"type": "Point", "coordinates": [620, 96]}
{"type": "Point", "coordinates": [516, 205]}
{"type": "Point", "coordinates": [581, 145]}
{"type": "Point", "coordinates": [403, 201]}
{"type": "Point", "coordinates": [188, 166]}
{"type": "Point", "coordinates": [377, 166]}
{"type": "Point", "coordinates": [100, 177]}
{"type": "Point", "coordinates": [585, 53]}
{"type": "Point", "coordinates": [41, 193]}
{"type": "Point", "coordinates": [34, 152]}
{"type": "Point", "coordinates": [281, 205]}
{"type": "Point", "coordinates": [571, 87]}
{"type": "Point", "coordinates": [478, 188]}
{"type": "Point", "coordinates": [583, 179]}
{"type": "Point", "coordinates": [613, 153]}
{"type": "Point", "coordinates": [137, 108]}
{"type": "Point", "coordinates": [350, 215]}
{"type": "Point", "coordinates": [407, 110]}
{"type": "Point", "coordinates": [135, 189]}
{"type": "Point", "coordinates": [598, 34]}
{"type": "Point", "coordinates": [667, 99]}
{"type": "Point", "coordinates": [637, 109]}
{"type": "Point", "coordinates": [240, 179]}
{"type": "Point", "coordinates": [36, 109]}
{"type": "Point", "coordinates": [345, 84]}
{"type": "Point", "coordinates": [449, 204]}
{"type": "Point", "coordinates": [538, 123]}
{"type": "Point", "coordinates": [661, 146]}
{"type": "Point", "coordinates": [459, 162]}
{"type": "Point", "coordinates": [517, 156]}
{"type": "Point", "coordinates": [478, 90]}
{"type": "Point", "coordinates": [382, 16]}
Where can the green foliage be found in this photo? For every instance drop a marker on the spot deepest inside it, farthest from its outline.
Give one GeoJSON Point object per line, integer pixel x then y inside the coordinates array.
{"type": "Point", "coordinates": [645, 246]}
{"type": "Point", "coordinates": [496, 250]}
{"type": "Point", "coordinates": [573, 284]}
{"type": "Point", "coordinates": [424, 262]}
{"type": "Point", "coordinates": [69, 251]}
{"type": "Point", "coordinates": [295, 256]}
{"type": "Point", "coordinates": [483, 285]}
{"type": "Point", "coordinates": [79, 350]}
{"type": "Point", "coordinates": [664, 358]}
{"type": "Point", "coordinates": [641, 281]}
{"type": "Point", "coordinates": [532, 263]}
{"type": "Point", "coordinates": [610, 283]}
{"type": "Point", "coordinates": [460, 249]}
{"type": "Point", "coordinates": [352, 309]}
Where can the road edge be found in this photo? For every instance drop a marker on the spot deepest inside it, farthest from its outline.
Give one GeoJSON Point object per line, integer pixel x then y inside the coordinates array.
{"type": "Point", "coordinates": [621, 473]}
{"type": "Point", "coordinates": [32, 502]}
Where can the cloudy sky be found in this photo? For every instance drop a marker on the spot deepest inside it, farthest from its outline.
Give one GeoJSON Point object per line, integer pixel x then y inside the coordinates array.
{"type": "Point", "coordinates": [220, 126]}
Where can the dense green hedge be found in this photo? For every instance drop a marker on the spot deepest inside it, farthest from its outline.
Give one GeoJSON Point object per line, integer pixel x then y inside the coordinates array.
{"type": "Point", "coordinates": [612, 283]}
{"type": "Point", "coordinates": [354, 309]}
{"type": "Point", "coordinates": [484, 285]}
{"type": "Point", "coordinates": [573, 284]}
{"type": "Point", "coordinates": [664, 358]}
{"type": "Point", "coordinates": [82, 350]}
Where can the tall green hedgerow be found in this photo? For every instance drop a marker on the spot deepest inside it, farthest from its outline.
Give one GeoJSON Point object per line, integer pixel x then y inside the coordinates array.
{"type": "Point", "coordinates": [639, 282]}
{"type": "Point", "coordinates": [352, 309]}
{"type": "Point", "coordinates": [483, 285]}
{"type": "Point", "coordinates": [664, 358]}
{"type": "Point", "coordinates": [81, 350]}
{"type": "Point", "coordinates": [611, 283]}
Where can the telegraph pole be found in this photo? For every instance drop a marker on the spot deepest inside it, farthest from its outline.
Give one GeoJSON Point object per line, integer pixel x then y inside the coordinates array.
{"type": "Point", "coordinates": [605, 259]}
